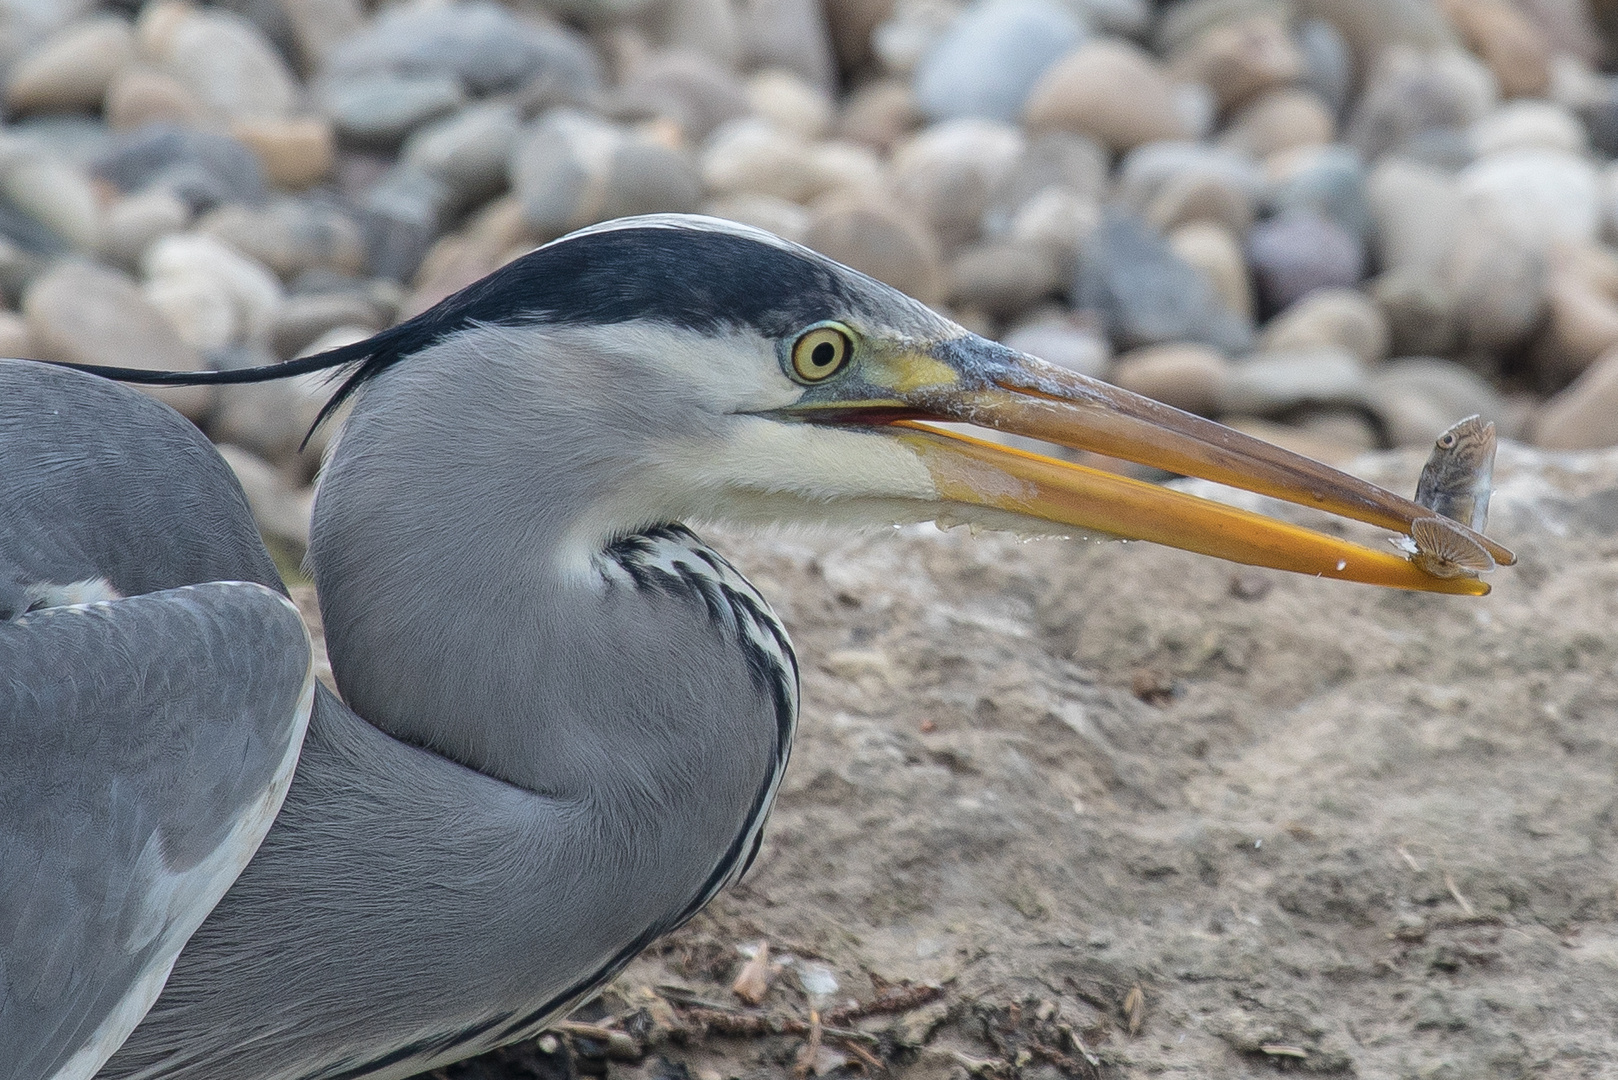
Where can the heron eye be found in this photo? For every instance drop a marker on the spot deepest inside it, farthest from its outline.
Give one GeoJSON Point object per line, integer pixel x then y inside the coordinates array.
{"type": "Point", "coordinates": [820, 353]}
{"type": "Point", "coordinates": [1446, 441]}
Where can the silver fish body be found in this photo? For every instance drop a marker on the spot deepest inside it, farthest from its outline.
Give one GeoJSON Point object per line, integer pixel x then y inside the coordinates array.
{"type": "Point", "coordinates": [1456, 481]}
{"type": "Point", "coordinates": [1455, 484]}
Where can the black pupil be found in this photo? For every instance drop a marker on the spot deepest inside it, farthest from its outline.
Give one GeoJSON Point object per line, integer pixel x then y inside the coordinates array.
{"type": "Point", "coordinates": [823, 355]}
{"type": "Point", "coordinates": [1447, 441]}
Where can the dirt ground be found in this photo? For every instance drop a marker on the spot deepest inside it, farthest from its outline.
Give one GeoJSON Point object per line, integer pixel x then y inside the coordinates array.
{"type": "Point", "coordinates": [1110, 810]}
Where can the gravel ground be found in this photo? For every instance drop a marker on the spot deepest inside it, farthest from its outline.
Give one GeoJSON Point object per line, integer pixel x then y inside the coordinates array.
{"type": "Point", "coordinates": [1319, 828]}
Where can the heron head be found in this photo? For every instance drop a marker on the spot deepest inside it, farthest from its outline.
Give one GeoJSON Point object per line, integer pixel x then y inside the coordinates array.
{"type": "Point", "coordinates": [761, 382]}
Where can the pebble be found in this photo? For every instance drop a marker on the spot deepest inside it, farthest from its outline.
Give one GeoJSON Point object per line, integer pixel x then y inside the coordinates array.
{"type": "Point", "coordinates": [789, 34]}
{"type": "Point", "coordinates": [377, 110]}
{"type": "Point", "coordinates": [135, 222]}
{"type": "Point", "coordinates": [1539, 196]}
{"type": "Point", "coordinates": [948, 174]}
{"type": "Point", "coordinates": [282, 511]}
{"type": "Point", "coordinates": [88, 314]}
{"type": "Point", "coordinates": [318, 25]}
{"type": "Point", "coordinates": [1283, 119]}
{"type": "Point", "coordinates": [1189, 377]}
{"type": "Point", "coordinates": [1585, 415]}
{"type": "Point", "coordinates": [686, 88]}
{"type": "Point", "coordinates": [850, 24]}
{"type": "Point", "coordinates": [301, 320]}
{"type": "Point", "coordinates": [1110, 90]}
{"type": "Point", "coordinates": [1274, 383]}
{"type": "Point", "coordinates": [1172, 183]}
{"type": "Point", "coordinates": [1328, 65]}
{"type": "Point", "coordinates": [1215, 251]}
{"type": "Point", "coordinates": [882, 242]}
{"type": "Point", "coordinates": [1416, 399]}
{"type": "Point", "coordinates": [1581, 299]}
{"type": "Point", "coordinates": [227, 63]}
{"type": "Point", "coordinates": [201, 167]}
{"type": "Point", "coordinates": [1328, 181]}
{"type": "Point", "coordinates": [14, 336]}
{"type": "Point", "coordinates": [757, 158]}
{"type": "Point", "coordinates": [295, 152]}
{"type": "Point", "coordinates": [1416, 214]}
{"type": "Point", "coordinates": [570, 169]}
{"type": "Point", "coordinates": [771, 213]}
{"type": "Point", "coordinates": [468, 151]}
{"type": "Point", "coordinates": [1057, 161]}
{"type": "Point", "coordinates": [291, 236]}
{"type": "Point", "coordinates": [188, 277]}
{"type": "Point", "coordinates": [1295, 255]}
{"type": "Point", "coordinates": [1064, 340]}
{"type": "Point", "coordinates": [1507, 40]}
{"type": "Point", "coordinates": [1331, 318]}
{"type": "Point", "coordinates": [989, 59]}
{"type": "Point", "coordinates": [1412, 94]}
{"type": "Point", "coordinates": [1529, 125]}
{"type": "Point", "coordinates": [1147, 295]}
{"type": "Point", "coordinates": [1240, 59]}
{"type": "Point", "coordinates": [880, 114]}
{"type": "Point", "coordinates": [52, 192]}
{"type": "Point", "coordinates": [1420, 310]}
{"type": "Point", "coordinates": [786, 100]}
{"type": "Point", "coordinates": [1004, 280]}
{"type": "Point", "coordinates": [1497, 278]}
{"type": "Point", "coordinates": [141, 95]}
{"type": "Point", "coordinates": [72, 69]}
{"type": "Point", "coordinates": [1372, 27]}
{"type": "Point", "coordinates": [710, 29]}
{"type": "Point", "coordinates": [483, 45]}
{"type": "Point", "coordinates": [267, 419]}
{"type": "Point", "coordinates": [401, 217]}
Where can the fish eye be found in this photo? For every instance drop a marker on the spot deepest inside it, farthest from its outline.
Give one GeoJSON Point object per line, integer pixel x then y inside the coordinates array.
{"type": "Point", "coordinates": [821, 352]}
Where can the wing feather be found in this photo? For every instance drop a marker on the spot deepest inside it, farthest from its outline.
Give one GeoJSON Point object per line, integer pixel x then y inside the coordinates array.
{"type": "Point", "coordinates": [145, 747]}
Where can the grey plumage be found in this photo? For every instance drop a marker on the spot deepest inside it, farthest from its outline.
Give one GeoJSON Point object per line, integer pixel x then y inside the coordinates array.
{"type": "Point", "coordinates": [569, 716]}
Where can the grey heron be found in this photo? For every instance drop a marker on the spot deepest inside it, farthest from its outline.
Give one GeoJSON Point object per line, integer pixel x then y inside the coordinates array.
{"type": "Point", "coordinates": [564, 716]}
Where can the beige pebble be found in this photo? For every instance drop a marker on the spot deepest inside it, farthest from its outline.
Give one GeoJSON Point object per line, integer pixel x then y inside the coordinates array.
{"type": "Point", "coordinates": [1004, 280]}
{"type": "Point", "coordinates": [880, 114]}
{"type": "Point", "coordinates": [1189, 377]}
{"type": "Point", "coordinates": [882, 242]}
{"type": "Point", "coordinates": [15, 340]}
{"type": "Point", "coordinates": [1111, 90]}
{"type": "Point", "coordinates": [1240, 59]}
{"type": "Point", "coordinates": [1331, 318]}
{"type": "Point", "coordinates": [1280, 120]}
{"type": "Point", "coordinates": [143, 95]}
{"type": "Point", "coordinates": [72, 69]}
{"type": "Point", "coordinates": [1581, 295]}
{"type": "Point", "coordinates": [1585, 415]}
{"type": "Point", "coordinates": [88, 314]}
{"type": "Point", "coordinates": [1212, 248]}
{"type": "Point", "coordinates": [296, 152]}
{"type": "Point", "coordinates": [1507, 40]}
{"type": "Point", "coordinates": [948, 174]}
{"type": "Point", "coordinates": [135, 222]}
{"type": "Point", "coordinates": [786, 100]}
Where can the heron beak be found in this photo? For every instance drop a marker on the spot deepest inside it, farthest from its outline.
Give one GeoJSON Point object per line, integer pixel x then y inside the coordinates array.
{"type": "Point", "coordinates": [975, 381]}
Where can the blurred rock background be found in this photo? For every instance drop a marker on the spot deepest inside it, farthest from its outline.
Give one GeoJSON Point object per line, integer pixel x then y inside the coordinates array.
{"type": "Point", "coordinates": [1338, 224]}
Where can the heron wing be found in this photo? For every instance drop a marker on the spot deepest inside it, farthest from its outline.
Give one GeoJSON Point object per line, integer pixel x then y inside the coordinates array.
{"type": "Point", "coordinates": [145, 746]}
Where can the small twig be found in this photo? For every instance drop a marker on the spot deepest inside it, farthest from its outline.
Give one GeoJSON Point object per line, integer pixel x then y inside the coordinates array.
{"type": "Point", "coordinates": [1449, 883]}
{"type": "Point", "coordinates": [901, 1000]}
{"type": "Point", "coordinates": [810, 1049]}
{"type": "Point", "coordinates": [871, 1062]}
{"type": "Point", "coordinates": [1283, 1050]}
{"type": "Point", "coordinates": [1407, 857]}
{"type": "Point", "coordinates": [1135, 1008]}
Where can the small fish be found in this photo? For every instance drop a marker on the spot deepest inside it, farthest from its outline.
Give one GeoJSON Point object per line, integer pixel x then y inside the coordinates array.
{"type": "Point", "coordinates": [1455, 482]}
{"type": "Point", "coordinates": [1443, 550]}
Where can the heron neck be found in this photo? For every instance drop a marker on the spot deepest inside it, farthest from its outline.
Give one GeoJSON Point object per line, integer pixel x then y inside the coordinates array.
{"type": "Point", "coordinates": [450, 626]}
